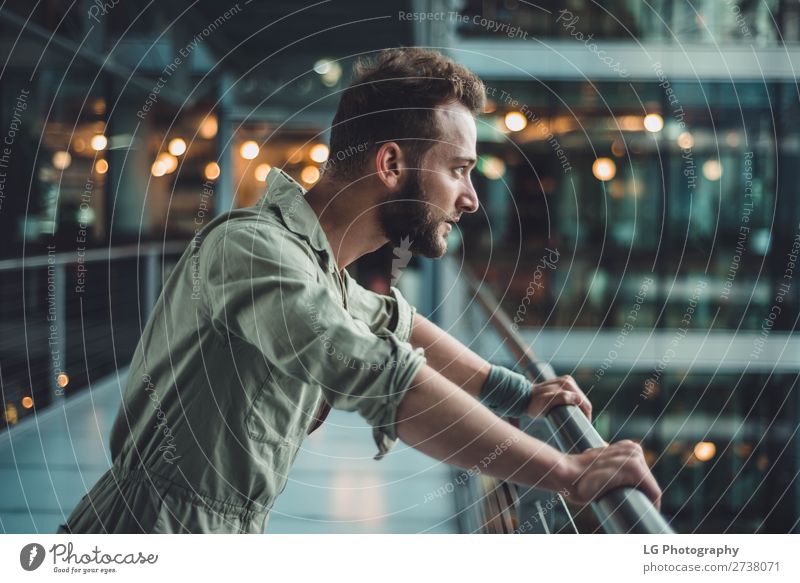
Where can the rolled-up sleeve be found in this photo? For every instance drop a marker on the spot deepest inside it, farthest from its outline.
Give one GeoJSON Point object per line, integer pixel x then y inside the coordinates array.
{"type": "Point", "coordinates": [380, 312]}
{"type": "Point", "coordinates": [262, 286]}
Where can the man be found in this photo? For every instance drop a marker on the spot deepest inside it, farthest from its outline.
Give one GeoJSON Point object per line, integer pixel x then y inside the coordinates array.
{"type": "Point", "coordinates": [259, 329]}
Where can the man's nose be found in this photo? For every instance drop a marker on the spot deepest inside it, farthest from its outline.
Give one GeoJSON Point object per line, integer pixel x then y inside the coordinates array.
{"type": "Point", "coordinates": [468, 201]}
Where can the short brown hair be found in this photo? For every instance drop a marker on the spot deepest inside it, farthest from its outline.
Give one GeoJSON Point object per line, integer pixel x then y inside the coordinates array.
{"type": "Point", "coordinates": [392, 98]}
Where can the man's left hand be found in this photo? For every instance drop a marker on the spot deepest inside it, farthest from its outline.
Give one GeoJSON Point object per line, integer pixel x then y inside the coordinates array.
{"type": "Point", "coordinates": [561, 390]}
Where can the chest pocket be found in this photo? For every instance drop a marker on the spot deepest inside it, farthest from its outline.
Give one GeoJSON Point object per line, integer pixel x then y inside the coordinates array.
{"type": "Point", "coordinates": [283, 409]}
{"type": "Point", "coordinates": [280, 411]}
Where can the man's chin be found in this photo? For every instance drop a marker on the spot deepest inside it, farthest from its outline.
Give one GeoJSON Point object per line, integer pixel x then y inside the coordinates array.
{"type": "Point", "coordinates": [429, 242]}
{"type": "Point", "coordinates": [442, 248]}
{"type": "Point", "coordinates": [434, 251]}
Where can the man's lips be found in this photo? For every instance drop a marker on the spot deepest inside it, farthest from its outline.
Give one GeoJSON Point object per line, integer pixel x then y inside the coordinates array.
{"type": "Point", "coordinates": [450, 222]}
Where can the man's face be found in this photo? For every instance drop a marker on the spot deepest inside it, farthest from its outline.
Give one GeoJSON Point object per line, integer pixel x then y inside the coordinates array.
{"type": "Point", "coordinates": [433, 197]}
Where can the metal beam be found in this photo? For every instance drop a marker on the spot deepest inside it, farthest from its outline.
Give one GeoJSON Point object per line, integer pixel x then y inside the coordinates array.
{"type": "Point", "coordinates": [103, 62]}
{"type": "Point", "coordinates": [572, 60]}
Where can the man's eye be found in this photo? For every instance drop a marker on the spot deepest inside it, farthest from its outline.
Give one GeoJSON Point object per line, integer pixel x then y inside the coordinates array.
{"type": "Point", "coordinates": [461, 170]}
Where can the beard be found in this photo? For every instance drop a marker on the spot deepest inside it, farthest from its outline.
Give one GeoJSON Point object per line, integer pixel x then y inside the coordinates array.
{"type": "Point", "coordinates": [410, 216]}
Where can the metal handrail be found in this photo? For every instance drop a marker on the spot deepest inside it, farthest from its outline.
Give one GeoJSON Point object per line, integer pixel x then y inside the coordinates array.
{"type": "Point", "coordinates": [59, 265]}
{"type": "Point", "coordinates": [622, 510]}
{"type": "Point", "coordinates": [93, 255]}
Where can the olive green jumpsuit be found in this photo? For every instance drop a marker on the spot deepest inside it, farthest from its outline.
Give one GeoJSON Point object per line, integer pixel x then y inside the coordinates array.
{"type": "Point", "coordinates": [255, 333]}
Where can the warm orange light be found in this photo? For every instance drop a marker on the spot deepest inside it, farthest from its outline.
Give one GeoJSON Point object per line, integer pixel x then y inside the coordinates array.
{"type": "Point", "coordinates": [319, 153]}
{"type": "Point", "coordinates": [209, 127]}
{"type": "Point", "coordinates": [62, 160]}
{"type": "Point", "coordinates": [261, 172]}
{"type": "Point", "coordinates": [515, 121]}
{"type": "Point", "coordinates": [62, 379]}
{"type": "Point", "coordinates": [101, 166]}
{"type": "Point", "coordinates": [712, 170]}
{"type": "Point", "coordinates": [310, 174]}
{"type": "Point", "coordinates": [211, 171]}
{"type": "Point", "coordinates": [329, 71]}
{"type": "Point", "coordinates": [158, 169]}
{"type": "Point", "coordinates": [249, 150]}
{"type": "Point", "coordinates": [493, 167]}
{"type": "Point", "coordinates": [604, 169]}
{"type": "Point", "coordinates": [169, 161]}
{"type": "Point", "coordinates": [685, 140]}
{"type": "Point", "coordinates": [11, 414]}
{"type": "Point", "coordinates": [176, 147]}
{"type": "Point", "coordinates": [99, 142]}
{"type": "Point", "coordinates": [705, 450]}
{"type": "Point", "coordinates": [27, 402]}
{"type": "Point", "coordinates": [653, 122]}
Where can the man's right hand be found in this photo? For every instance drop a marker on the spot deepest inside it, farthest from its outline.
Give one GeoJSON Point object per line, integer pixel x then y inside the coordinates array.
{"type": "Point", "coordinates": [439, 419]}
{"type": "Point", "coordinates": [601, 469]}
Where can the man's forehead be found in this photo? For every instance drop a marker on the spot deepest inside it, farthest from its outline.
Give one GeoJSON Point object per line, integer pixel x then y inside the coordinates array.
{"type": "Point", "coordinates": [457, 129]}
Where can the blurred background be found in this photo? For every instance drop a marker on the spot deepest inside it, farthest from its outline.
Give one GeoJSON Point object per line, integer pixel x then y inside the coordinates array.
{"type": "Point", "coordinates": [639, 222]}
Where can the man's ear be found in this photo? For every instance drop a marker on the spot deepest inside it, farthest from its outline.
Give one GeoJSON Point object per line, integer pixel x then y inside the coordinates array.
{"type": "Point", "coordinates": [390, 164]}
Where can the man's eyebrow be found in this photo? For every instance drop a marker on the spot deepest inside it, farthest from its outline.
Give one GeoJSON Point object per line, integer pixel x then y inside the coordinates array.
{"type": "Point", "coordinates": [467, 159]}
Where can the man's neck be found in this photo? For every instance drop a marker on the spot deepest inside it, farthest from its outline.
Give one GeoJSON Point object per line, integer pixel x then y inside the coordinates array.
{"type": "Point", "coordinates": [348, 218]}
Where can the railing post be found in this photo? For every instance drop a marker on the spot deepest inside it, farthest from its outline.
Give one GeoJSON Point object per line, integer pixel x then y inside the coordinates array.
{"type": "Point", "coordinates": [150, 282]}
{"type": "Point", "coordinates": [544, 509]}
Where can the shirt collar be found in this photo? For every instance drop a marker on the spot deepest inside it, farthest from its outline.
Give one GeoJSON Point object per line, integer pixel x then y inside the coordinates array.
{"type": "Point", "coordinates": [288, 196]}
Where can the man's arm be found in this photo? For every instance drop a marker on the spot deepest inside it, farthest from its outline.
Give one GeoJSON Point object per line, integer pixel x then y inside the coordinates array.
{"type": "Point", "coordinates": [464, 368]}
{"type": "Point", "coordinates": [438, 419]}
{"type": "Point", "coordinates": [448, 356]}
